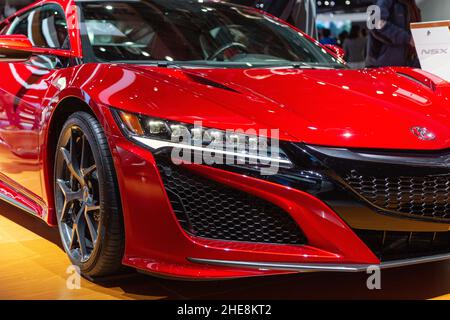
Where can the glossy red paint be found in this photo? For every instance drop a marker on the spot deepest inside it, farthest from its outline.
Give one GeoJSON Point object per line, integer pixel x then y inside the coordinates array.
{"type": "Point", "coordinates": [264, 97]}
{"type": "Point", "coordinates": [22, 43]}
{"type": "Point", "coordinates": [16, 42]}
{"type": "Point", "coordinates": [330, 239]}
{"type": "Point", "coordinates": [339, 108]}
{"type": "Point", "coordinates": [336, 50]}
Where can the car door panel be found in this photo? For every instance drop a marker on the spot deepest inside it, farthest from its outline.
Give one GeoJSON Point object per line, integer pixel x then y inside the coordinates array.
{"type": "Point", "coordinates": [23, 87]}
{"type": "Point", "coordinates": [20, 122]}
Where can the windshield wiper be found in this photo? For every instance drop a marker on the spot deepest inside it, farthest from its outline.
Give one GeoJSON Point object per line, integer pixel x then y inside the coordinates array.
{"type": "Point", "coordinates": [167, 64]}
{"type": "Point", "coordinates": [158, 63]}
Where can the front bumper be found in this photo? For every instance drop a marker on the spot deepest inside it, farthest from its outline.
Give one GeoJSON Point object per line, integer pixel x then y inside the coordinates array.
{"type": "Point", "coordinates": [157, 243]}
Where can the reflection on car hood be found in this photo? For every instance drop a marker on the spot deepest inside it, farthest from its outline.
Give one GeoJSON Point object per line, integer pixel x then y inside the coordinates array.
{"type": "Point", "coordinates": [342, 108]}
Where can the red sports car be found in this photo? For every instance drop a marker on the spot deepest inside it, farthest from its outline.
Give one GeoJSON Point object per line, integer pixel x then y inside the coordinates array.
{"type": "Point", "coordinates": [201, 139]}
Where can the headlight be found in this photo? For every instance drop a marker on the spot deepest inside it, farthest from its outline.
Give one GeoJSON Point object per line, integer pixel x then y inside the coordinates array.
{"type": "Point", "coordinates": [194, 143]}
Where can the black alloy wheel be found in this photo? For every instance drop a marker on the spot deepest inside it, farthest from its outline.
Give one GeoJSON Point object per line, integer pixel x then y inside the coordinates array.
{"type": "Point", "coordinates": [87, 198]}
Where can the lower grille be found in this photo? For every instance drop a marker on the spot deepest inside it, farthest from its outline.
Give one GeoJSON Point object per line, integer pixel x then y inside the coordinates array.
{"type": "Point", "coordinates": [424, 196]}
{"type": "Point", "coordinates": [209, 209]}
{"type": "Point", "coordinates": [392, 245]}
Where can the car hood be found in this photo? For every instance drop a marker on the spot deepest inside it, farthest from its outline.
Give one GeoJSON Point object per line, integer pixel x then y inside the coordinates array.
{"type": "Point", "coordinates": [342, 108]}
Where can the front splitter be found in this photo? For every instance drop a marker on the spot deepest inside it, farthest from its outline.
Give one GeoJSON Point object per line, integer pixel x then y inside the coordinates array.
{"type": "Point", "coordinates": [308, 267]}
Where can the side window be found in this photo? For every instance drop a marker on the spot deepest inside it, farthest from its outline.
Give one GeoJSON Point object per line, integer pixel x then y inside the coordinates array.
{"type": "Point", "coordinates": [46, 27]}
{"type": "Point", "coordinates": [19, 25]}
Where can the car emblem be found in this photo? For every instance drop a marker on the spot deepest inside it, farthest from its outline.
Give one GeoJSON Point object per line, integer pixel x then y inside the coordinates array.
{"type": "Point", "coordinates": [423, 133]}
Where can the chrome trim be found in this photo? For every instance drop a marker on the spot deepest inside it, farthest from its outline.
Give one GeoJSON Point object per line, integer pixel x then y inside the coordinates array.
{"type": "Point", "coordinates": [11, 184]}
{"type": "Point", "coordinates": [159, 144]}
{"type": "Point", "coordinates": [441, 160]}
{"type": "Point", "coordinates": [410, 262]}
{"type": "Point", "coordinates": [329, 267]}
{"type": "Point", "coordinates": [17, 204]}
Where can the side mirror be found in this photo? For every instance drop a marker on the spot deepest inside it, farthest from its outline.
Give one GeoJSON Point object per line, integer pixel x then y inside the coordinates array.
{"type": "Point", "coordinates": [338, 51]}
{"type": "Point", "coordinates": [15, 48]}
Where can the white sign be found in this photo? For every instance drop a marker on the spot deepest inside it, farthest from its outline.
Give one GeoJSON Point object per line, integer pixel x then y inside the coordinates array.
{"type": "Point", "coordinates": [432, 40]}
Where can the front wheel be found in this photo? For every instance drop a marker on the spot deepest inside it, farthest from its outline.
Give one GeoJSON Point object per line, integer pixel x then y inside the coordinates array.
{"type": "Point", "coordinates": [87, 198]}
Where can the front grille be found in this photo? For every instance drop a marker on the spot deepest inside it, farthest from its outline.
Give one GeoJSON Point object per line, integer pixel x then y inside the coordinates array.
{"type": "Point", "coordinates": [423, 196]}
{"type": "Point", "coordinates": [393, 245]}
{"type": "Point", "coordinates": [209, 209]}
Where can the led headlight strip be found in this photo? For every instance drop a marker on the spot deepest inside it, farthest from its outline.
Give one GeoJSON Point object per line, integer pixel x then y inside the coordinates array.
{"type": "Point", "coordinates": [158, 134]}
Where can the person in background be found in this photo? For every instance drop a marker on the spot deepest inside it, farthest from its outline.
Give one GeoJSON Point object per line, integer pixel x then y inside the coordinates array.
{"type": "Point", "coordinates": [326, 38]}
{"type": "Point", "coordinates": [3, 10]}
{"type": "Point", "coordinates": [364, 32]}
{"type": "Point", "coordinates": [299, 13]}
{"type": "Point", "coordinates": [355, 48]}
{"type": "Point", "coordinates": [9, 7]}
{"type": "Point", "coordinates": [249, 3]}
{"type": "Point", "coordinates": [391, 42]}
{"type": "Point", "coordinates": [342, 37]}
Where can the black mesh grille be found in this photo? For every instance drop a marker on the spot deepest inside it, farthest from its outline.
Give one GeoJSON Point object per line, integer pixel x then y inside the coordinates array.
{"type": "Point", "coordinates": [208, 209]}
{"type": "Point", "coordinates": [426, 196]}
{"type": "Point", "coordinates": [392, 245]}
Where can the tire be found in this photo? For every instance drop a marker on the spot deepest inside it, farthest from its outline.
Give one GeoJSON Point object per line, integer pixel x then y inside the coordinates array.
{"type": "Point", "coordinates": [87, 198]}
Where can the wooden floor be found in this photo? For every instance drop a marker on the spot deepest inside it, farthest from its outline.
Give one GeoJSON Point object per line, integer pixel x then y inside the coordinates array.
{"type": "Point", "coordinates": [33, 266]}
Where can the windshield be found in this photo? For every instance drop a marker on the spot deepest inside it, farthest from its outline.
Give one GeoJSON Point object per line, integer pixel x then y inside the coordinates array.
{"type": "Point", "coordinates": [197, 32]}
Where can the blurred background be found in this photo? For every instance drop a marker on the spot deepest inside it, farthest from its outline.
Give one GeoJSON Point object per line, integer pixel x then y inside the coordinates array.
{"type": "Point", "coordinates": [332, 22]}
{"type": "Point", "coordinates": [336, 15]}
{"type": "Point", "coordinates": [8, 7]}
